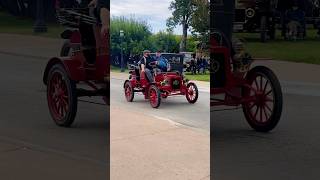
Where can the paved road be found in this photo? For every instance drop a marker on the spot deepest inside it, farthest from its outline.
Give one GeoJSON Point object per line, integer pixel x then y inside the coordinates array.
{"type": "Point", "coordinates": [176, 108]}
{"type": "Point", "coordinates": [31, 145]}
{"type": "Point", "coordinates": [290, 152]}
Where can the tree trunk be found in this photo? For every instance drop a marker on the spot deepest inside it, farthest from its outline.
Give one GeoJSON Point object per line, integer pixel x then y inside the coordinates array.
{"type": "Point", "coordinates": [183, 44]}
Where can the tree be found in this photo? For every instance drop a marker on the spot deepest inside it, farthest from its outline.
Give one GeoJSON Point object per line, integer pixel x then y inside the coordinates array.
{"type": "Point", "coordinates": [200, 20]}
{"type": "Point", "coordinates": [165, 41]}
{"type": "Point", "coordinates": [136, 35]}
{"type": "Point", "coordinates": [181, 15]}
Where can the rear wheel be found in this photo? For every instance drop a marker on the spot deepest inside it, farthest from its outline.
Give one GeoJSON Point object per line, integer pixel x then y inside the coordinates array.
{"type": "Point", "coordinates": [61, 96]}
{"type": "Point", "coordinates": [128, 91]}
{"type": "Point", "coordinates": [192, 93]}
{"type": "Point", "coordinates": [264, 113]}
{"type": "Point", "coordinates": [154, 96]}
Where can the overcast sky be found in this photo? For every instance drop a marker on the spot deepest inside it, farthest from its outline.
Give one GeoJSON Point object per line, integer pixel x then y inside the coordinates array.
{"type": "Point", "coordinates": [155, 12]}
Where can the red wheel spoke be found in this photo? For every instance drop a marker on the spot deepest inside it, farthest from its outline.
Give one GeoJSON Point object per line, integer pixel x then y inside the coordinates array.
{"type": "Point", "coordinates": [256, 83]}
{"type": "Point", "coordinates": [265, 113]}
{"type": "Point", "coordinates": [269, 99]}
{"type": "Point", "coordinates": [252, 106]}
{"type": "Point", "coordinates": [64, 101]}
{"type": "Point", "coordinates": [62, 110]}
{"type": "Point", "coordinates": [265, 86]}
{"type": "Point", "coordinates": [59, 108]}
{"type": "Point", "coordinates": [64, 97]}
{"type": "Point", "coordinates": [260, 83]}
{"type": "Point", "coordinates": [261, 120]}
{"type": "Point", "coordinates": [255, 115]}
{"type": "Point", "coordinates": [269, 92]}
{"type": "Point", "coordinates": [267, 106]}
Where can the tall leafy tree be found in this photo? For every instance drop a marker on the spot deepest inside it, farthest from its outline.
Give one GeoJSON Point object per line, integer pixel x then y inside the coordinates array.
{"type": "Point", "coordinates": [165, 41]}
{"type": "Point", "coordinates": [200, 21]}
{"type": "Point", "coordinates": [135, 39]}
{"type": "Point", "coordinates": [182, 11]}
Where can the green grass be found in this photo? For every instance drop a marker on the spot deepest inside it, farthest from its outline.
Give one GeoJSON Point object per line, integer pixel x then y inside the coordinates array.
{"type": "Point", "coordinates": [306, 51]}
{"type": "Point", "coordinates": [18, 25]}
{"type": "Point", "coordinates": [198, 77]}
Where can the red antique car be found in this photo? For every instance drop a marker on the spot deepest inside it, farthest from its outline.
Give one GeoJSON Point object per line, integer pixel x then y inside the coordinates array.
{"type": "Point", "coordinates": [235, 83]}
{"type": "Point", "coordinates": [85, 61]}
{"type": "Point", "coordinates": [166, 84]}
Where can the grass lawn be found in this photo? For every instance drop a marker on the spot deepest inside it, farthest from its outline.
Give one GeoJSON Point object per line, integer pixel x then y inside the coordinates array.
{"type": "Point", "coordinates": [18, 25]}
{"type": "Point", "coordinates": [306, 51]}
{"type": "Point", "coordinates": [198, 77]}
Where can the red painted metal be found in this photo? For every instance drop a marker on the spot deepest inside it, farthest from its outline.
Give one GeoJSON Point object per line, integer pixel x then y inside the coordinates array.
{"type": "Point", "coordinates": [234, 82]}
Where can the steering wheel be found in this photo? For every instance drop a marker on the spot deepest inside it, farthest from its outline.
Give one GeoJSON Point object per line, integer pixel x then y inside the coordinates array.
{"type": "Point", "coordinates": [153, 64]}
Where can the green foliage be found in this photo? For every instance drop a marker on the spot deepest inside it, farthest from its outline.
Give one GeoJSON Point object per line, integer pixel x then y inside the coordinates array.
{"type": "Point", "coordinates": [200, 20]}
{"type": "Point", "coordinates": [136, 35]}
{"type": "Point", "coordinates": [181, 13]}
{"type": "Point", "coordinates": [165, 41]}
{"type": "Point", "coordinates": [192, 15]}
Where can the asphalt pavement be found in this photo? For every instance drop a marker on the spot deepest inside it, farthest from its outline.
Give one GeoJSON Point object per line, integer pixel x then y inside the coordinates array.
{"type": "Point", "coordinates": [31, 145]}
{"type": "Point", "coordinates": [291, 151]}
{"type": "Point", "coordinates": [174, 108]}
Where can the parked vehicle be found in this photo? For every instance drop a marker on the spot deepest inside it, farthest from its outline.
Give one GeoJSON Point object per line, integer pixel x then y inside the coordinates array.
{"type": "Point", "coordinates": [264, 16]}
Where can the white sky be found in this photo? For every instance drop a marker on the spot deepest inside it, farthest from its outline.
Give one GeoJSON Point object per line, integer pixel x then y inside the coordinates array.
{"type": "Point", "coordinates": [154, 12]}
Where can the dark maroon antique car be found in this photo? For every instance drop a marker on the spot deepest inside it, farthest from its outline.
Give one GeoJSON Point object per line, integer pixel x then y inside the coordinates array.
{"type": "Point", "coordinates": [234, 83]}
{"type": "Point", "coordinates": [83, 68]}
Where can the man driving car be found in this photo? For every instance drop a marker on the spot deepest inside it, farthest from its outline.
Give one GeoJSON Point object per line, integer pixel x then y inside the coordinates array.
{"type": "Point", "coordinates": [145, 65]}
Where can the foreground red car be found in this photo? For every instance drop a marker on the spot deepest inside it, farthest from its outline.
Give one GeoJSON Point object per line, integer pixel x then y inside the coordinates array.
{"type": "Point", "coordinates": [235, 83]}
{"type": "Point", "coordinates": [84, 63]}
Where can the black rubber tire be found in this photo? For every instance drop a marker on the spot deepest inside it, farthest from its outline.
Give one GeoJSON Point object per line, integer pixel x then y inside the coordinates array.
{"type": "Point", "coordinates": [277, 97]}
{"type": "Point", "coordinates": [155, 88]}
{"type": "Point", "coordinates": [72, 96]}
{"type": "Point", "coordinates": [197, 93]}
{"type": "Point", "coordinates": [66, 48]}
{"type": "Point", "coordinates": [127, 84]}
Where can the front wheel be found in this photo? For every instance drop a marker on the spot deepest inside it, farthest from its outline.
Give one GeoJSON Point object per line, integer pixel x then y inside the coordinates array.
{"type": "Point", "coordinates": [128, 91]}
{"type": "Point", "coordinates": [62, 97]}
{"type": "Point", "coordinates": [192, 93]}
{"type": "Point", "coordinates": [263, 114]}
{"type": "Point", "coordinates": [154, 96]}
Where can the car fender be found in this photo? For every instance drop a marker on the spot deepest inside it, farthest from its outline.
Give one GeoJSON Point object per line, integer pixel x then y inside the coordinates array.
{"type": "Point", "coordinates": [72, 68]}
